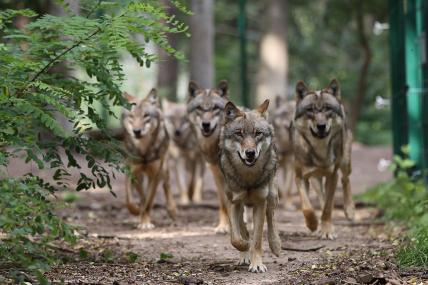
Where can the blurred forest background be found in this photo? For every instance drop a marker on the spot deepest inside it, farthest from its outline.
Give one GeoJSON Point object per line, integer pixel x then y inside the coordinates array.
{"type": "Point", "coordinates": [285, 41]}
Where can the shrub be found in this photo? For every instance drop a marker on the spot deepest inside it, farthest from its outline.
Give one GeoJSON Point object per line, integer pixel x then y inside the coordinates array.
{"type": "Point", "coordinates": [33, 95]}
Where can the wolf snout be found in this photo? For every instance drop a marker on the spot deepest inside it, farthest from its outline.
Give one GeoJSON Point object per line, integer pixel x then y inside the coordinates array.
{"type": "Point", "coordinates": [250, 153]}
{"type": "Point", "coordinates": [137, 132]}
{"type": "Point", "coordinates": [321, 127]}
{"type": "Point", "coordinates": [206, 125]}
{"type": "Point", "coordinates": [177, 133]}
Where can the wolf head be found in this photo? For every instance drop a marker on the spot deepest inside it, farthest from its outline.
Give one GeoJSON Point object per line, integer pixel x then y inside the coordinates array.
{"type": "Point", "coordinates": [205, 108]}
{"type": "Point", "coordinates": [144, 117]}
{"type": "Point", "coordinates": [176, 121]}
{"type": "Point", "coordinates": [247, 135]}
{"type": "Point", "coordinates": [281, 119]}
{"type": "Point", "coordinates": [318, 113]}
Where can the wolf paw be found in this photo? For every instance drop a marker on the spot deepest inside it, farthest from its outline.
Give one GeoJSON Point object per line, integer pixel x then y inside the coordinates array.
{"type": "Point", "coordinates": [245, 258]}
{"type": "Point", "coordinates": [184, 200]}
{"type": "Point", "coordinates": [257, 268]}
{"type": "Point", "coordinates": [146, 226]}
{"type": "Point", "coordinates": [275, 246]}
{"type": "Point", "coordinates": [222, 229]}
{"type": "Point", "coordinates": [172, 212]}
{"type": "Point", "coordinates": [349, 211]}
{"type": "Point", "coordinates": [311, 220]}
{"type": "Point", "coordinates": [327, 232]}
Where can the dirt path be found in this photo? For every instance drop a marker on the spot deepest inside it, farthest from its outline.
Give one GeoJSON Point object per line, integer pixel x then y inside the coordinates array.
{"type": "Point", "coordinates": [363, 247]}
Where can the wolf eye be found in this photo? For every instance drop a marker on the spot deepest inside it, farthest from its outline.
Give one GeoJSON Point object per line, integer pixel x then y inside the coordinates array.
{"type": "Point", "coordinates": [328, 107]}
{"type": "Point", "coordinates": [239, 134]}
{"type": "Point", "coordinates": [258, 134]}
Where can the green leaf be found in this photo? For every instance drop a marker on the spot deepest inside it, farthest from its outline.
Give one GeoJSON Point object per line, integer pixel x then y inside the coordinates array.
{"type": "Point", "coordinates": [166, 255]}
{"type": "Point", "coordinates": [83, 253]}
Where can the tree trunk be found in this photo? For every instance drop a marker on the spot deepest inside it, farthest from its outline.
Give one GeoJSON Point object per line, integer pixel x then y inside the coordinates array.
{"type": "Point", "coordinates": [273, 71]}
{"type": "Point", "coordinates": [201, 26]}
{"type": "Point", "coordinates": [168, 66]}
{"type": "Point", "coordinates": [361, 88]}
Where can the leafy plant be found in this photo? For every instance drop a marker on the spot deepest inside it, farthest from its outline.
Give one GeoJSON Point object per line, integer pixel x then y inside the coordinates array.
{"type": "Point", "coordinates": [404, 199]}
{"type": "Point", "coordinates": [166, 255]}
{"type": "Point", "coordinates": [33, 96]}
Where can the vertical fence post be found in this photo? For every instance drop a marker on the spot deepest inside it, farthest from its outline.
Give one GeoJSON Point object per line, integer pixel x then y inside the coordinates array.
{"type": "Point", "coordinates": [243, 45]}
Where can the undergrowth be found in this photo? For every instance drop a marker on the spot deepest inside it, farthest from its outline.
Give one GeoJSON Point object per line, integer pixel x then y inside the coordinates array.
{"type": "Point", "coordinates": [404, 199]}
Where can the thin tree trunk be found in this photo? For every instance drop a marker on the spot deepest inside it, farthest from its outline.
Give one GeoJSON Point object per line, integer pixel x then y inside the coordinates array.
{"type": "Point", "coordinates": [361, 88]}
{"type": "Point", "coordinates": [168, 66]}
{"type": "Point", "coordinates": [201, 26]}
{"type": "Point", "coordinates": [273, 71]}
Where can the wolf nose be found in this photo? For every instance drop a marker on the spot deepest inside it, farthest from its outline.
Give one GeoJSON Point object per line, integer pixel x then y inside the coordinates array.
{"type": "Point", "coordinates": [137, 131]}
{"type": "Point", "coordinates": [250, 153]}
{"type": "Point", "coordinates": [321, 127]}
{"type": "Point", "coordinates": [206, 124]}
{"type": "Point", "coordinates": [177, 133]}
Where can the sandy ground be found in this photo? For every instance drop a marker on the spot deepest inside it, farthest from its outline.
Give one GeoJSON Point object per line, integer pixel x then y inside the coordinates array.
{"type": "Point", "coordinates": [202, 257]}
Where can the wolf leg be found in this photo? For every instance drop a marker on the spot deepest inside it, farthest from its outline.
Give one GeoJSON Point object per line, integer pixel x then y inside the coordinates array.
{"type": "Point", "coordinates": [199, 180]}
{"type": "Point", "coordinates": [234, 210]}
{"type": "Point", "coordinates": [273, 236]}
{"type": "Point", "coordinates": [245, 256]}
{"type": "Point", "coordinates": [129, 200]}
{"type": "Point", "coordinates": [180, 173]}
{"type": "Point", "coordinates": [170, 203]}
{"type": "Point", "coordinates": [146, 211]}
{"type": "Point", "coordinates": [317, 185]}
{"type": "Point", "coordinates": [307, 208]}
{"type": "Point", "coordinates": [348, 202]}
{"type": "Point", "coordinates": [259, 212]}
{"type": "Point", "coordinates": [288, 184]}
{"type": "Point", "coordinates": [223, 226]}
{"type": "Point", "coordinates": [327, 229]}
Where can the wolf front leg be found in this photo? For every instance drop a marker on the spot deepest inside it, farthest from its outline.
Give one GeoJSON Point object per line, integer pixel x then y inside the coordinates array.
{"type": "Point", "coordinates": [129, 199]}
{"type": "Point", "coordinates": [307, 208]}
{"type": "Point", "coordinates": [259, 212]}
{"type": "Point", "coordinates": [348, 202]}
{"type": "Point", "coordinates": [239, 237]}
{"type": "Point", "coordinates": [273, 236]}
{"type": "Point", "coordinates": [327, 229]}
{"type": "Point", "coordinates": [154, 176]}
{"type": "Point", "coordinates": [199, 170]}
{"type": "Point", "coordinates": [223, 225]}
{"type": "Point", "coordinates": [317, 185]}
{"type": "Point", "coordinates": [170, 203]}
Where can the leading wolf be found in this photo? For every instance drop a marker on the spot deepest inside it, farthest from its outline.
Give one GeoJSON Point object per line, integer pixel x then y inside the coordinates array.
{"type": "Point", "coordinates": [249, 163]}
{"type": "Point", "coordinates": [322, 145]}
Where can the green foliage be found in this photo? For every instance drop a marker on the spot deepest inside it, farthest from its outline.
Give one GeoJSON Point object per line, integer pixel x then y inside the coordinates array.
{"type": "Point", "coordinates": [166, 255]}
{"type": "Point", "coordinates": [35, 98]}
{"type": "Point", "coordinates": [404, 199]}
{"type": "Point", "coordinates": [133, 257]}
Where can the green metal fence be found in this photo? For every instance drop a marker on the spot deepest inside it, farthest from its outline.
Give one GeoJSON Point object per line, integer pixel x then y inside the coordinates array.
{"type": "Point", "coordinates": [408, 41]}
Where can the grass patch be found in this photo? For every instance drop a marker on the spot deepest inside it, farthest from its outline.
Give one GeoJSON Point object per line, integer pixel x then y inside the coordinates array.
{"type": "Point", "coordinates": [404, 199]}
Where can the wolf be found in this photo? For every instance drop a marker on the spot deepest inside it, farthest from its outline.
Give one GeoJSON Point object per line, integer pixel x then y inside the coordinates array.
{"type": "Point", "coordinates": [281, 118]}
{"type": "Point", "coordinates": [147, 140]}
{"type": "Point", "coordinates": [189, 162]}
{"type": "Point", "coordinates": [249, 163]}
{"type": "Point", "coordinates": [205, 112]}
{"type": "Point", "coordinates": [322, 144]}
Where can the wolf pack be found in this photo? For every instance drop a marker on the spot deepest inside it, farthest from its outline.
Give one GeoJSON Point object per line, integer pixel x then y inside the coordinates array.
{"type": "Point", "coordinates": [306, 139]}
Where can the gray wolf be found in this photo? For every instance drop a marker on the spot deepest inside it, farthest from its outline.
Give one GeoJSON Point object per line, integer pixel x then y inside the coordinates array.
{"type": "Point", "coordinates": [322, 145]}
{"type": "Point", "coordinates": [205, 112]}
{"type": "Point", "coordinates": [281, 118]}
{"type": "Point", "coordinates": [189, 162]}
{"type": "Point", "coordinates": [147, 140]}
{"type": "Point", "coordinates": [249, 163]}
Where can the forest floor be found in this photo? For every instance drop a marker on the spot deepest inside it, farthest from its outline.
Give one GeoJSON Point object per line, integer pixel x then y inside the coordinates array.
{"type": "Point", "coordinates": [362, 253]}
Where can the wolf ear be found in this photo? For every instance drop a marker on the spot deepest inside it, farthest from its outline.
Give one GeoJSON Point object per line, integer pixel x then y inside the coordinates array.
{"type": "Point", "coordinates": [194, 90]}
{"type": "Point", "coordinates": [263, 108]}
{"type": "Point", "coordinates": [166, 104]}
{"type": "Point", "coordinates": [153, 97]}
{"type": "Point", "coordinates": [222, 89]}
{"type": "Point", "coordinates": [127, 96]}
{"type": "Point", "coordinates": [279, 101]}
{"type": "Point", "coordinates": [231, 112]}
{"type": "Point", "coordinates": [301, 91]}
{"type": "Point", "coordinates": [333, 88]}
